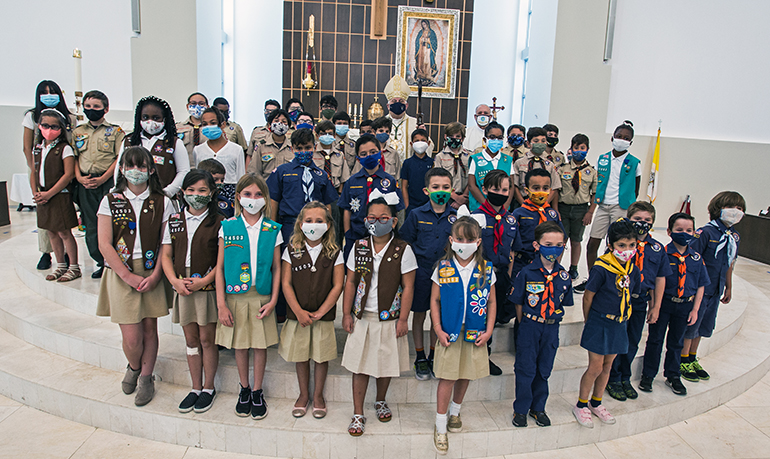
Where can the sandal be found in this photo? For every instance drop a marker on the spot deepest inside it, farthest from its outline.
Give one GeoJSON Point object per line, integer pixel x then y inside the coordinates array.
{"type": "Point", "coordinates": [300, 411]}
{"type": "Point", "coordinates": [383, 412]}
{"type": "Point", "coordinates": [319, 413]}
{"type": "Point", "coordinates": [357, 423]}
{"type": "Point", "coordinates": [58, 272]}
{"type": "Point", "coordinates": [71, 274]}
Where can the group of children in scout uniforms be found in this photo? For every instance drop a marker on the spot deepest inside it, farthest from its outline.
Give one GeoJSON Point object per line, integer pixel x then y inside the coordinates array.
{"type": "Point", "coordinates": [470, 267]}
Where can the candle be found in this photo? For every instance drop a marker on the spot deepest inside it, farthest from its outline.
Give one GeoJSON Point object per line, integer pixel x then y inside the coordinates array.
{"type": "Point", "coordinates": [349, 112]}
{"type": "Point", "coordinates": [78, 70]}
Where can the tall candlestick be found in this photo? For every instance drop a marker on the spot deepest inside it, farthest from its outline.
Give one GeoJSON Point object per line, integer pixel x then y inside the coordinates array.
{"type": "Point", "coordinates": [349, 110]}
{"type": "Point", "coordinates": [76, 54]}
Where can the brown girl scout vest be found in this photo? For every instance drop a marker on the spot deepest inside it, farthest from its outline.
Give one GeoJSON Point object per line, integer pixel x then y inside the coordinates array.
{"type": "Point", "coordinates": [312, 283]}
{"type": "Point", "coordinates": [124, 228]}
{"type": "Point", "coordinates": [53, 168]}
{"type": "Point", "coordinates": [389, 278]}
{"type": "Point", "coordinates": [205, 245]}
{"type": "Point", "coordinates": [164, 160]}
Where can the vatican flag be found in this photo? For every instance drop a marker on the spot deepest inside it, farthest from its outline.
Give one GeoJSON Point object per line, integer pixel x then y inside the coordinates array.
{"type": "Point", "coordinates": [652, 187]}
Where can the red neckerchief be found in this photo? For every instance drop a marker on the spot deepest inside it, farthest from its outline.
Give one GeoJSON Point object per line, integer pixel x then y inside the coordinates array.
{"type": "Point", "coordinates": [498, 216]}
{"type": "Point", "coordinates": [535, 159]}
{"type": "Point", "coordinates": [527, 204]}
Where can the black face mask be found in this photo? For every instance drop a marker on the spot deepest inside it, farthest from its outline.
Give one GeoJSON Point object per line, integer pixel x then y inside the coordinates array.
{"type": "Point", "coordinates": [552, 141]}
{"type": "Point", "coordinates": [397, 108]}
{"type": "Point", "coordinates": [496, 199]}
{"type": "Point", "coordinates": [642, 227]}
{"type": "Point", "coordinates": [454, 143]}
{"type": "Point", "coordinates": [515, 140]}
{"type": "Point", "coordinates": [93, 115]}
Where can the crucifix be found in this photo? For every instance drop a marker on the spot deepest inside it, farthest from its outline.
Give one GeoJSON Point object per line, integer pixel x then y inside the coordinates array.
{"type": "Point", "coordinates": [494, 108]}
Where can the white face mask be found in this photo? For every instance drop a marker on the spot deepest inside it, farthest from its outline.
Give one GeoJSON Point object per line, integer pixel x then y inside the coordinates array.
{"type": "Point", "coordinates": [464, 250]}
{"type": "Point", "coordinates": [314, 231]}
{"type": "Point", "coordinates": [624, 255]}
{"type": "Point", "coordinates": [420, 147]}
{"type": "Point", "coordinates": [731, 217]}
{"type": "Point", "coordinates": [482, 120]}
{"type": "Point", "coordinates": [620, 144]}
{"type": "Point", "coordinates": [251, 205]}
{"type": "Point", "coordinates": [151, 127]}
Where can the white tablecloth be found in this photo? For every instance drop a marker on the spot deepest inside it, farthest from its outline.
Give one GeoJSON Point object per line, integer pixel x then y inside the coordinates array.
{"type": "Point", "coordinates": [20, 189]}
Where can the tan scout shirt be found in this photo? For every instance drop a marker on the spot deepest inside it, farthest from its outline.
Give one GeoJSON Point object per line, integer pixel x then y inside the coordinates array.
{"type": "Point", "coordinates": [185, 130]}
{"type": "Point", "coordinates": [268, 156]}
{"type": "Point", "coordinates": [446, 160]}
{"type": "Point", "coordinates": [392, 162]}
{"type": "Point", "coordinates": [97, 148]}
{"type": "Point", "coordinates": [347, 146]}
{"type": "Point", "coordinates": [521, 167]}
{"type": "Point", "coordinates": [234, 134]}
{"type": "Point", "coordinates": [258, 133]}
{"type": "Point", "coordinates": [340, 173]}
{"type": "Point", "coordinates": [556, 157]}
{"type": "Point", "coordinates": [515, 152]}
{"type": "Point", "coordinates": [587, 188]}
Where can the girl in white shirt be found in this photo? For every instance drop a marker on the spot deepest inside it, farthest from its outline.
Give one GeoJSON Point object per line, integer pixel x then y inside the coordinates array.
{"type": "Point", "coordinates": [217, 146]}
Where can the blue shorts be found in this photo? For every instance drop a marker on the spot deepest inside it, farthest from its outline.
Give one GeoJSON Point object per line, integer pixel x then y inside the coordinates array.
{"type": "Point", "coordinates": [422, 289]}
{"type": "Point", "coordinates": [604, 336]}
{"type": "Point", "coordinates": [707, 318]}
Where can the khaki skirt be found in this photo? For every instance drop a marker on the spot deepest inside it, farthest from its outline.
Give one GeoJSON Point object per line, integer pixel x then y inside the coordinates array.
{"type": "Point", "coordinates": [247, 331]}
{"type": "Point", "coordinates": [373, 349]}
{"type": "Point", "coordinates": [300, 344]}
{"type": "Point", "coordinates": [460, 360]}
{"type": "Point", "coordinates": [58, 214]}
{"type": "Point", "coordinates": [124, 305]}
{"type": "Point", "coordinates": [200, 307]}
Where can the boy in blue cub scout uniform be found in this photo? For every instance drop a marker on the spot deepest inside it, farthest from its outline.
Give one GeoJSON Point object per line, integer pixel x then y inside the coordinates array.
{"type": "Point", "coordinates": [427, 230]}
{"type": "Point", "coordinates": [650, 258]}
{"type": "Point", "coordinates": [685, 283]}
{"type": "Point", "coordinates": [540, 291]}
{"type": "Point", "coordinates": [717, 242]}
{"type": "Point", "coordinates": [358, 188]}
{"type": "Point", "coordinates": [413, 171]}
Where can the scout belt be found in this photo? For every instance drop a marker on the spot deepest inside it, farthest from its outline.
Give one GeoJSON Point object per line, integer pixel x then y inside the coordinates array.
{"type": "Point", "coordinates": [687, 299]}
{"type": "Point", "coordinates": [614, 318]}
{"type": "Point", "coordinates": [539, 319]}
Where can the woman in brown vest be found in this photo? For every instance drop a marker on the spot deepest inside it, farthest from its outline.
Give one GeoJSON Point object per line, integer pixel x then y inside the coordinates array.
{"type": "Point", "coordinates": [188, 257]}
{"type": "Point", "coordinates": [312, 261]}
{"type": "Point", "coordinates": [54, 169]}
{"type": "Point", "coordinates": [378, 293]}
{"type": "Point", "coordinates": [130, 222]}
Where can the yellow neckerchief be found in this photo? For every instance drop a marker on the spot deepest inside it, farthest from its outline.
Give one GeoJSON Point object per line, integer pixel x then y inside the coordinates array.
{"type": "Point", "coordinates": [622, 280]}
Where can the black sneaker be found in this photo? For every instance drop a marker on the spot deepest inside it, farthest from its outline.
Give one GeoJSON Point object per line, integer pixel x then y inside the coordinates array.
{"type": "Point", "coordinates": [258, 405]}
{"type": "Point", "coordinates": [540, 418]}
{"type": "Point", "coordinates": [645, 384]}
{"type": "Point", "coordinates": [519, 420]}
{"type": "Point", "coordinates": [676, 386]}
{"type": "Point", "coordinates": [615, 389]}
{"type": "Point", "coordinates": [702, 374]}
{"type": "Point", "coordinates": [573, 273]}
{"type": "Point", "coordinates": [243, 406]}
{"type": "Point", "coordinates": [45, 262]}
{"type": "Point", "coordinates": [421, 369]}
{"type": "Point", "coordinates": [188, 403]}
{"type": "Point", "coordinates": [205, 400]}
{"type": "Point", "coordinates": [581, 287]}
{"type": "Point", "coordinates": [631, 393]}
{"type": "Point", "coordinates": [494, 370]}
{"type": "Point", "coordinates": [98, 273]}
{"type": "Point", "coordinates": [688, 372]}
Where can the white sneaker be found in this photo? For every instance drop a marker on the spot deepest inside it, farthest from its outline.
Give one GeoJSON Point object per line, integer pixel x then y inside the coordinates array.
{"type": "Point", "coordinates": [583, 416]}
{"type": "Point", "coordinates": [602, 413]}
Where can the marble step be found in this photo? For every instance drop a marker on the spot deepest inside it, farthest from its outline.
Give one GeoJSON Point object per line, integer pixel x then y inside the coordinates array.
{"type": "Point", "coordinates": [91, 395]}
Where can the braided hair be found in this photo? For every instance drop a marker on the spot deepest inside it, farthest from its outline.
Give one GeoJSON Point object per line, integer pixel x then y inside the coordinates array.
{"type": "Point", "coordinates": [168, 121]}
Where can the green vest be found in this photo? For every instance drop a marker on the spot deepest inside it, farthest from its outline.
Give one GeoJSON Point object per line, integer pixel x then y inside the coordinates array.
{"type": "Point", "coordinates": [627, 186]}
{"type": "Point", "coordinates": [483, 167]}
{"type": "Point", "coordinates": [238, 270]}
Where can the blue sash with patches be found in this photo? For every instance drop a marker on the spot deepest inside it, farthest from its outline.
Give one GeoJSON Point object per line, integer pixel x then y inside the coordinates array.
{"type": "Point", "coordinates": [453, 300]}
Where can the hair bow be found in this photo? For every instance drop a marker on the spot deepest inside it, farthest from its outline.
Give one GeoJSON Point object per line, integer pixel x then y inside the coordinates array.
{"type": "Point", "coordinates": [391, 198]}
{"type": "Point", "coordinates": [479, 218]}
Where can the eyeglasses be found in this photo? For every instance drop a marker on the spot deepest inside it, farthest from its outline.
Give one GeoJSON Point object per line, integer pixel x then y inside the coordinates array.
{"type": "Point", "coordinates": [382, 219]}
{"type": "Point", "coordinates": [51, 127]}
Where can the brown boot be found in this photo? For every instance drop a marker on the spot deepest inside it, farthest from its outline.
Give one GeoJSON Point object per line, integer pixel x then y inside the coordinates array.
{"type": "Point", "coordinates": [145, 390]}
{"type": "Point", "coordinates": [129, 381]}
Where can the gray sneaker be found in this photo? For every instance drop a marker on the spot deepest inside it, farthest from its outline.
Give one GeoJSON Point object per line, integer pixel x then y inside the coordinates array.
{"type": "Point", "coordinates": [422, 369]}
{"type": "Point", "coordinates": [129, 380]}
{"type": "Point", "coordinates": [145, 390]}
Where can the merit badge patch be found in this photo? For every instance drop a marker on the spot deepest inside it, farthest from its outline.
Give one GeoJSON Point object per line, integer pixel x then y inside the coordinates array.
{"type": "Point", "coordinates": [159, 160]}
{"type": "Point", "coordinates": [149, 264]}
{"type": "Point", "coordinates": [510, 219]}
{"type": "Point", "coordinates": [656, 247]}
{"type": "Point", "coordinates": [535, 287]}
{"type": "Point", "coordinates": [158, 148]}
{"type": "Point", "coordinates": [471, 335]}
{"type": "Point", "coordinates": [229, 289]}
{"type": "Point", "coordinates": [384, 315]}
{"type": "Point", "coordinates": [567, 176]}
{"type": "Point", "coordinates": [533, 299]}
{"type": "Point", "coordinates": [564, 275]}
{"type": "Point", "coordinates": [355, 204]}
{"type": "Point", "coordinates": [385, 183]}
{"type": "Point", "coordinates": [695, 256]}
{"type": "Point", "coordinates": [552, 213]}
{"type": "Point", "coordinates": [244, 277]}
{"type": "Point", "coordinates": [268, 157]}
{"type": "Point", "coordinates": [452, 218]}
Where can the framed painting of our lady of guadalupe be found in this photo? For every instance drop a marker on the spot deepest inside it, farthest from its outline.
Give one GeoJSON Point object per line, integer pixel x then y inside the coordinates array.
{"type": "Point", "coordinates": [426, 50]}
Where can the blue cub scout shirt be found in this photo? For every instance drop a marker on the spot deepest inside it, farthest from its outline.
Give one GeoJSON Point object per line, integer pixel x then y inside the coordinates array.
{"type": "Point", "coordinates": [529, 290]}
{"type": "Point", "coordinates": [511, 240]}
{"type": "Point", "coordinates": [528, 221]}
{"type": "Point", "coordinates": [654, 264]}
{"type": "Point", "coordinates": [695, 277]}
{"type": "Point", "coordinates": [428, 233]}
{"type": "Point", "coordinates": [603, 283]}
{"type": "Point", "coordinates": [288, 190]}
{"type": "Point", "coordinates": [706, 242]}
{"type": "Point", "coordinates": [354, 198]}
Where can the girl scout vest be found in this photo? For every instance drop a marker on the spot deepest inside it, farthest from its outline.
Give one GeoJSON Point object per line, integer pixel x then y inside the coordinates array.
{"type": "Point", "coordinates": [453, 299]}
{"type": "Point", "coordinates": [627, 186]}
{"type": "Point", "coordinates": [312, 283]}
{"type": "Point", "coordinates": [482, 168]}
{"type": "Point", "coordinates": [124, 228]}
{"type": "Point", "coordinates": [205, 243]}
{"type": "Point", "coordinates": [388, 280]}
{"type": "Point", "coordinates": [238, 269]}
{"type": "Point", "coordinates": [53, 169]}
{"type": "Point", "coordinates": [163, 158]}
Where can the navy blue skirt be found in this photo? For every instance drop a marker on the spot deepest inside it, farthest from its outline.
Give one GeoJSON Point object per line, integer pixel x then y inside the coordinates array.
{"type": "Point", "coordinates": [604, 336]}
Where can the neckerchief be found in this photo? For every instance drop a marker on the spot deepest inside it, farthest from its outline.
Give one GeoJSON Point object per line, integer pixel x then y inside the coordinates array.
{"type": "Point", "coordinates": [640, 257]}
{"type": "Point", "coordinates": [622, 280]}
{"type": "Point", "coordinates": [527, 204]}
{"type": "Point", "coordinates": [546, 302]}
{"type": "Point", "coordinates": [682, 272]}
{"type": "Point", "coordinates": [459, 162]}
{"type": "Point", "coordinates": [533, 160]}
{"type": "Point", "coordinates": [498, 216]}
{"type": "Point", "coordinates": [726, 240]}
{"type": "Point", "coordinates": [576, 177]}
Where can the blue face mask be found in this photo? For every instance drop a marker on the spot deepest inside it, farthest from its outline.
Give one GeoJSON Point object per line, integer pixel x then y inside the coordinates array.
{"type": "Point", "coordinates": [304, 157]}
{"type": "Point", "coordinates": [494, 145]}
{"type": "Point", "coordinates": [49, 100]}
{"type": "Point", "coordinates": [382, 137]}
{"type": "Point", "coordinates": [551, 253]}
{"type": "Point", "coordinates": [293, 115]}
{"type": "Point", "coordinates": [515, 140]}
{"type": "Point", "coordinates": [341, 129]}
{"type": "Point", "coordinates": [579, 155]}
{"type": "Point", "coordinates": [211, 132]}
{"type": "Point", "coordinates": [305, 126]}
{"type": "Point", "coordinates": [681, 238]}
{"type": "Point", "coordinates": [326, 139]}
{"type": "Point", "coordinates": [370, 162]}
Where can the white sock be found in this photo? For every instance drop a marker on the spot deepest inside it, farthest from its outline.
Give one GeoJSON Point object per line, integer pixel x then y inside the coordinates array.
{"type": "Point", "coordinates": [196, 392]}
{"type": "Point", "coordinates": [62, 265]}
{"type": "Point", "coordinates": [454, 409]}
{"type": "Point", "coordinates": [441, 423]}
{"type": "Point", "coordinates": [209, 391]}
